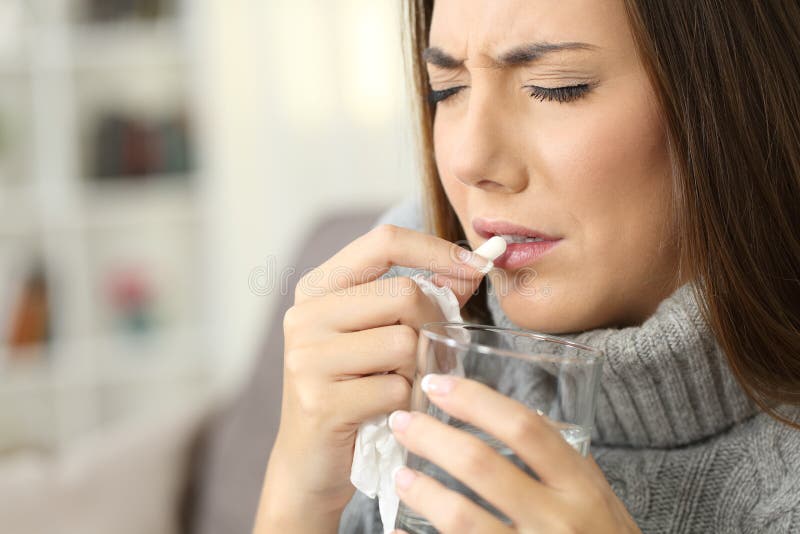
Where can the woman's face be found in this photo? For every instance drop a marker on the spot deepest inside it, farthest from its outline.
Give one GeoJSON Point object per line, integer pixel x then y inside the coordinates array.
{"type": "Point", "coordinates": [588, 165]}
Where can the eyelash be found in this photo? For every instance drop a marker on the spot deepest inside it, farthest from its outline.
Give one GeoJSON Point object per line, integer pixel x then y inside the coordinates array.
{"type": "Point", "coordinates": [559, 94]}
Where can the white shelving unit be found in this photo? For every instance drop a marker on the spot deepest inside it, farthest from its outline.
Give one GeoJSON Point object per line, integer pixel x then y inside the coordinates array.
{"type": "Point", "coordinates": [60, 72]}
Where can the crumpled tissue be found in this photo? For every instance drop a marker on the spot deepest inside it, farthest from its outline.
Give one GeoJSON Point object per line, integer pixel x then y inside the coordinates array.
{"type": "Point", "coordinates": [377, 453]}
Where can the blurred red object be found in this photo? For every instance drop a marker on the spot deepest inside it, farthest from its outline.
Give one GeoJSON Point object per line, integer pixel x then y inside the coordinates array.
{"type": "Point", "coordinates": [30, 317]}
{"type": "Point", "coordinates": [130, 289]}
{"type": "Point", "coordinates": [132, 297]}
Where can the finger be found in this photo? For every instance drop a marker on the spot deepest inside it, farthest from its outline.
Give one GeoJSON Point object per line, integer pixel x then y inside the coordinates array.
{"type": "Point", "coordinates": [447, 510]}
{"type": "Point", "coordinates": [469, 459]}
{"type": "Point", "coordinates": [384, 349]}
{"type": "Point", "coordinates": [384, 302]}
{"type": "Point", "coordinates": [371, 396]}
{"type": "Point", "coordinates": [371, 255]}
{"type": "Point", "coordinates": [534, 438]}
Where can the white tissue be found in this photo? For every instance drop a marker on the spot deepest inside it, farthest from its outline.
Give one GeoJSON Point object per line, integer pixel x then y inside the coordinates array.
{"type": "Point", "coordinates": [377, 452]}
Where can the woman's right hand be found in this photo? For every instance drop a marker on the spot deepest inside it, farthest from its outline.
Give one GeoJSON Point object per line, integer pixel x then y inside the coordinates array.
{"type": "Point", "coordinates": [346, 327]}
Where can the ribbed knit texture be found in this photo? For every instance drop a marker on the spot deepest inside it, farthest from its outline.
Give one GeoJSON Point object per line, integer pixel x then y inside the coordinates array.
{"type": "Point", "coordinates": [678, 440]}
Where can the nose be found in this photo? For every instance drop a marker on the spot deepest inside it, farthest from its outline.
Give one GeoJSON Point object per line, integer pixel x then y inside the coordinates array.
{"type": "Point", "coordinates": [483, 156]}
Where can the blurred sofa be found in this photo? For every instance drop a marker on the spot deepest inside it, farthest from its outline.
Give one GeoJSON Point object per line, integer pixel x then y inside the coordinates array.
{"type": "Point", "coordinates": [128, 478]}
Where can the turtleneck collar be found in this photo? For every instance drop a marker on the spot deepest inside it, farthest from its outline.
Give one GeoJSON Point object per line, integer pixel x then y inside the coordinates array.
{"type": "Point", "coordinates": [665, 383]}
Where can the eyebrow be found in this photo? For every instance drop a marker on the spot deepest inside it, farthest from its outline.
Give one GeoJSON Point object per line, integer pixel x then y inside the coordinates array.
{"type": "Point", "coordinates": [519, 55]}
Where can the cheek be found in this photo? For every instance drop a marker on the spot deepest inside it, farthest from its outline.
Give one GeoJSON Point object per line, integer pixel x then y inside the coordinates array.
{"type": "Point", "coordinates": [442, 149]}
{"type": "Point", "coordinates": [457, 192]}
{"type": "Point", "coordinates": [610, 167]}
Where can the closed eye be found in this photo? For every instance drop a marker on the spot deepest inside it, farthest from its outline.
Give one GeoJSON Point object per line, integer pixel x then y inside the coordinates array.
{"type": "Point", "coordinates": [558, 94]}
{"type": "Point", "coordinates": [435, 96]}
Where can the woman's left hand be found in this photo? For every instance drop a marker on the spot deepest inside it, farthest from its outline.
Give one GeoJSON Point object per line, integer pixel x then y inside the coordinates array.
{"type": "Point", "coordinates": [572, 494]}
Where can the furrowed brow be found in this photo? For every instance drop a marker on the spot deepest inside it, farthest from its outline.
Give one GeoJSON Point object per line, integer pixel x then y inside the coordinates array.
{"type": "Point", "coordinates": [517, 56]}
{"type": "Point", "coordinates": [436, 56]}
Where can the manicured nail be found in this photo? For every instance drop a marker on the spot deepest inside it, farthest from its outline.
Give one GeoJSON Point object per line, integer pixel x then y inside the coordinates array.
{"type": "Point", "coordinates": [399, 420]}
{"type": "Point", "coordinates": [403, 477]}
{"type": "Point", "coordinates": [477, 262]}
{"type": "Point", "coordinates": [437, 384]}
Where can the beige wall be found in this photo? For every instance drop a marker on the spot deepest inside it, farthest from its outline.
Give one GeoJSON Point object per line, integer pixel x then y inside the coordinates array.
{"type": "Point", "coordinates": [305, 112]}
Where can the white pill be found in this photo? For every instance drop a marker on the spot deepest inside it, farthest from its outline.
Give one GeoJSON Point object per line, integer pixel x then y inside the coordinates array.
{"type": "Point", "coordinates": [493, 248]}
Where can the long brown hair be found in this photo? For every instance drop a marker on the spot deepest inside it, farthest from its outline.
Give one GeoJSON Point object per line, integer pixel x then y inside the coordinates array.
{"type": "Point", "coordinates": [727, 83]}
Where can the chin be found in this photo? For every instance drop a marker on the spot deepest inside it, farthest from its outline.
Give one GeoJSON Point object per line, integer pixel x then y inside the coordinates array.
{"type": "Point", "coordinates": [544, 307]}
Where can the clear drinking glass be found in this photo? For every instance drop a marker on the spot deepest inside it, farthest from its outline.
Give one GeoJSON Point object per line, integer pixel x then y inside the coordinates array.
{"type": "Point", "coordinates": [556, 377]}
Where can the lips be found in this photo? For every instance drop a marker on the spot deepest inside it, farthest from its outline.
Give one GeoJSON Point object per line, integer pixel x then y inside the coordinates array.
{"type": "Point", "coordinates": [487, 228]}
{"type": "Point", "coordinates": [517, 254]}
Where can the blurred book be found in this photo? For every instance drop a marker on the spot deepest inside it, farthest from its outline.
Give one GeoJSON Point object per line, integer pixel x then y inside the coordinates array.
{"type": "Point", "coordinates": [126, 146]}
{"type": "Point", "coordinates": [119, 10]}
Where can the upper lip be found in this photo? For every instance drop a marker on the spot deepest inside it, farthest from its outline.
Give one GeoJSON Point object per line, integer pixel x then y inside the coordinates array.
{"type": "Point", "coordinates": [487, 228]}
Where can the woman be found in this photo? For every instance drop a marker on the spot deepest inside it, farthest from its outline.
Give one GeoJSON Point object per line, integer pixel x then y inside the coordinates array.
{"type": "Point", "coordinates": [655, 147]}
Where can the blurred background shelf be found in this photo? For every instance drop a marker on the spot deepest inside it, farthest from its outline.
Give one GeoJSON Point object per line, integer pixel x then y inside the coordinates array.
{"type": "Point", "coordinates": [126, 204]}
{"type": "Point", "coordinates": [132, 46]}
{"type": "Point", "coordinates": [156, 156]}
{"type": "Point", "coordinates": [101, 218]}
{"type": "Point", "coordinates": [94, 362]}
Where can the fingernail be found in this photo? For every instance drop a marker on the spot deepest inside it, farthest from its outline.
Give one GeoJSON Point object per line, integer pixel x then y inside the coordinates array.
{"type": "Point", "coordinates": [438, 384]}
{"type": "Point", "coordinates": [398, 420]}
{"type": "Point", "coordinates": [403, 477]}
{"type": "Point", "coordinates": [473, 260]}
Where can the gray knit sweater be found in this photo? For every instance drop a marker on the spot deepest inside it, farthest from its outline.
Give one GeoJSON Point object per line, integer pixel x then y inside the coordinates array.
{"type": "Point", "coordinates": [679, 442]}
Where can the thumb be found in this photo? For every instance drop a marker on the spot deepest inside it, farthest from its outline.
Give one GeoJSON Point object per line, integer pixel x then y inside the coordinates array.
{"type": "Point", "coordinates": [464, 287]}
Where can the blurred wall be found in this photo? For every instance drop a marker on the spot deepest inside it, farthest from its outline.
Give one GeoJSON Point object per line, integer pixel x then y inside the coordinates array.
{"type": "Point", "coordinates": [305, 110]}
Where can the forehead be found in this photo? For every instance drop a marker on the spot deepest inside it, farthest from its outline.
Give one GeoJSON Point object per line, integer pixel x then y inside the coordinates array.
{"type": "Point", "coordinates": [468, 28]}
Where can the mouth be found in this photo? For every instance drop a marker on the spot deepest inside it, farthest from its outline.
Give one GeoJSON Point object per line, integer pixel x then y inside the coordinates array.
{"type": "Point", "coordinates": [525, 245]}
{"type": "Point", "coordinates": [512, 239]}
{"type": "Point", "coordinates": [512, 233]}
